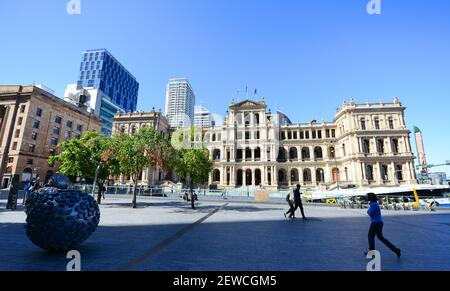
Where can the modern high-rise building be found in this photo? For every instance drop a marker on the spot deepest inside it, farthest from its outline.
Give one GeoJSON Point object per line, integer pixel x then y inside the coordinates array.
{"type": "Point", "coordinates": [203, 118]}
{"type": "Point", "coordinates": [104, 87]}
{"type": "Point", "coordinates": [180, 102]}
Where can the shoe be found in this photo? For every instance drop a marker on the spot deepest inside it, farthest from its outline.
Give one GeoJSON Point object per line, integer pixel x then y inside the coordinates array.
{"type": "Point", "coordinates": [398, 252]}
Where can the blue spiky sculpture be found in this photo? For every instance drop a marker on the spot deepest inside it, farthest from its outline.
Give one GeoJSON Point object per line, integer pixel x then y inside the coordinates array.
{"type": "Point", "coordinates": [59, 220]}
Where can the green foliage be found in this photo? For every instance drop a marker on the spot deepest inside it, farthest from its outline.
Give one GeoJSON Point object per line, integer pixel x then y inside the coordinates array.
{"type": "Point", "coordinates": [194, 165]}
{"type": "Point", "coordinates": [80, 157]}
{"type": "Point", "coordinates": [135, 152]}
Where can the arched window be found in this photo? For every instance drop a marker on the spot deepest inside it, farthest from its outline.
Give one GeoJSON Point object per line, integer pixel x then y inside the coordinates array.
{"type": "Point", "coordinates": [395, 149]}
{"type": "Point", "coordinates": [380, 146]}
{"type": "Point", "coordinates": [282, 155]}
{"type": "Point", "coordinates": [293, 154]}
{"type": "Point", "coordinates": [258, 154]}
{"type": "Point", "coordinates": [320, 175]}
{"type": "Point", "coordinates": [399, 172]}
{"type": "Point", "coordinates": [257, 177]}
{"type": "Point", "coordinates": [318, 155]}
{"type": "Point", "coordinates": [282, 177]}
{"type": "Point", "coordinates": [248, 154]}
{"type": "Point", "coordinates": [294, 176]}
{"type": "Point", "coordinates": [366, 146]}
{"type": "Point", "coordinates": [239, 155]}
{"type": "Point", "coordinates": [216, 155]}
{"type": "Point", "coordinates": [363, 124]}
{"type": "Point", "coordinates": [248, 177]}
{"type": "Point", "coordinates": [384, 172]}
{"type": "Point", "coordinates": [216, 175]}
{"type": "Point", "coordinates": [305, 154]}
{"type": "Point", "coordinates": [332, 153]}
{"type": "Point", "coordinates": [307, 177]}
{"type": "Point", "coordinates": [369, 173]}
{"type": "Point", "coordinates": [239, 181]}
{"type": "Point", "coordinates": [335, 174]}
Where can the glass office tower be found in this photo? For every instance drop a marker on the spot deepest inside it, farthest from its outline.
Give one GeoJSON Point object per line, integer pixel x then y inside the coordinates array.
{"type": "Point", "coordinates": [111, 87]}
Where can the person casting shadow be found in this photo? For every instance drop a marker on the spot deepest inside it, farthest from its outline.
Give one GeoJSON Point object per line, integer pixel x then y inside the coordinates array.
{"type": "Point", "coordinates": [376, 226]}
{"type": "Point", "coordinates": [297, 203]}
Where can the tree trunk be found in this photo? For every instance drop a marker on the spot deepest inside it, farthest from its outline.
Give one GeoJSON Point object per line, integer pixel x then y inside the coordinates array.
{"type": "Point", "coordinates": [99, 193]}
{"type": "Point", "coordinates": [134, 204]}
{"type": "Point", "coordinates": [191, 186]}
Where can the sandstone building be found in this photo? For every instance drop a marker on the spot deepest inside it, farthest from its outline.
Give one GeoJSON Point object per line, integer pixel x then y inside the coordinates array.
{"type": "Point", "coordinates": [33, 122]}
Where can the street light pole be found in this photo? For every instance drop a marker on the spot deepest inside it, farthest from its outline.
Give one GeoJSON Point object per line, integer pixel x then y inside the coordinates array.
{"type": "Point", "coordinates": [95, 180]}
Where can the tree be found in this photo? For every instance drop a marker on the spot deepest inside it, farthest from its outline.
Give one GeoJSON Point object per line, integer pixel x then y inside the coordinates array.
{"type": "Point", "coordinates": [194, 166]}
{"type": "Point", "coordinates": [81, 158]}
{"type": "Point", "coordinates": [135, 153]}
{"type": "Point", "coordinates": [164, 156]}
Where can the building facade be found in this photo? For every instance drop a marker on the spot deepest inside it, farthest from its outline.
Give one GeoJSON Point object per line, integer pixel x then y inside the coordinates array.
{"type": "Point", "coordinates": [180, 103]}
{"type": "Point", "coordinates": [130, 123]}
{"type": "Point", "coordinates": [104, 86]}
{"type": "Point", "coordinates": [33, 122]}
{"type": "Point", "coordinates": [365, 145]}
{"type": "Point", "coordinates": [203, 118]}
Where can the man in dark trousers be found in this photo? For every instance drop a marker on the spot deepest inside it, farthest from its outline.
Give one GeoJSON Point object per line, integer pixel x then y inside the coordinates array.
{"type": "Point", "coordinates": [297, 202]}
{"type": "Point", "coordinates": [376, 226]}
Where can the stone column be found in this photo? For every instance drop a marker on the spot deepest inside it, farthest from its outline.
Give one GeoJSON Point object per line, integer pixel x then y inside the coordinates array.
{"type": "Point", "coordinates": [394, 174]}
{"type": "Point", "coordinates": [254, 177]}
{"type": "Point", "coordinates": [379, 174]}
{"type": "Point", "coordinates": [389, 150]}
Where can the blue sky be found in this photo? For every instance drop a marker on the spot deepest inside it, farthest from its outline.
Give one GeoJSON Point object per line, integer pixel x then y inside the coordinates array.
{"type": "Point", "coordinates": [304, 56]}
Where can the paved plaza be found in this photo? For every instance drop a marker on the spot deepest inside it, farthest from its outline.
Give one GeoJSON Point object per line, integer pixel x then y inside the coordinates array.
{"type": "Point", "coordinates": [166, 235]}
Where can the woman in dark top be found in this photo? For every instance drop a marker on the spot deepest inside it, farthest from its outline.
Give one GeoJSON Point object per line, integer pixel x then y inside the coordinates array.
{"type": "Point", "coordinates": [376, 227]}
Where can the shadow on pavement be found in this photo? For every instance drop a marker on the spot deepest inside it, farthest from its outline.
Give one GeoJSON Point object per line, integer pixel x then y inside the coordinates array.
{"type": "Point", "coordinates": [326, 244]}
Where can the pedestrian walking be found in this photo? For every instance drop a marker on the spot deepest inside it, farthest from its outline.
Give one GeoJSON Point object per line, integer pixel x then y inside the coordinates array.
{"type": "Point", "coordinates": [297, 203]}
{"type": "Point", "coordinates": [103, 190]}
{"type": "Point", "coordinates": [376, 226]}
{"type": "Point", "coordinates": [290, 201]}
{"type": "Point", "coordinates": [26, 188]}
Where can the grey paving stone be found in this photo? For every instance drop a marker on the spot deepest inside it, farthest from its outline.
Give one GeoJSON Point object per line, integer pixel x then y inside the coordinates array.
{"type": "Point", "coordinates": [241, 236]}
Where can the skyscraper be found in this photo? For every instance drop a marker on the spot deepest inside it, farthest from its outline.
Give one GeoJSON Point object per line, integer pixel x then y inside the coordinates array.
{"type": "Point", "coordinates": [104, 86]}
{"type": "Point", "coordinates": [203, 118]}
{"type": "Point", "coordinates": [180, 102]}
